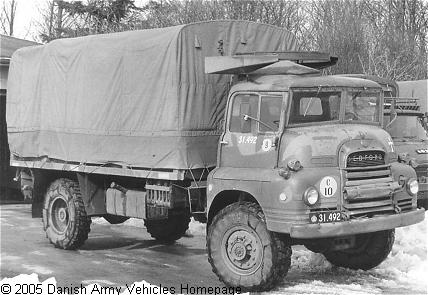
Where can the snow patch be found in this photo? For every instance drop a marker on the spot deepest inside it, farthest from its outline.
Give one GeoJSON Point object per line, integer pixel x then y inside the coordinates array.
{"type": "Point", "coordinates": [407, 261]}
{"type": "Point", "coordinates": [133, 222]}
{"type": "Point", "coordinates": [37, 269]}
{"type": "Point", "coordinates": [196, 228]}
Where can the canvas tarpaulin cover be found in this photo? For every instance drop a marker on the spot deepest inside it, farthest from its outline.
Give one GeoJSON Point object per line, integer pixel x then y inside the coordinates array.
{"type": "Point", "coordinates": [137, 98]}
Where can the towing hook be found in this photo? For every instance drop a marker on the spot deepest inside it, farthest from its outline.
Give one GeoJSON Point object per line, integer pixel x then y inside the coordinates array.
{"type": "Point", "coordinates": [397, 209]}
{"type": "Point", "coordinates": [345, 216]}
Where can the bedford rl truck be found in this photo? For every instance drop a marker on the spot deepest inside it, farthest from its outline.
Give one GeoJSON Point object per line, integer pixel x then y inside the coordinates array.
{"type": "Point", "coordinates": [225, 121]}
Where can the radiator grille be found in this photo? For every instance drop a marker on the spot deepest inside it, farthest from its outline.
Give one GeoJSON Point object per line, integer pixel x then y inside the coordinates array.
{"type": "Point", "coordinates": [422, 170]}
{"type": "Point", "coordinates": [366, 158]}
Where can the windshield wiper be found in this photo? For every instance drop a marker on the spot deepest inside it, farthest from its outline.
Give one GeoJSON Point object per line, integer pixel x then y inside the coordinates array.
{"type": "Point", "coordinates": [398, 138]}
{"type": "Point", "coordinates": [413, 137]}
{"type": "Point", "coordinates": [356, 95]}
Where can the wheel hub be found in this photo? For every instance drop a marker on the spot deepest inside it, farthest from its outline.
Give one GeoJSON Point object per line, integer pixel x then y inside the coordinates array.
{"type": "Point", "coordinates": [243, 250]}
{"type": "Point", "coordinates": [62, 214]}
{"type": "Point", "coordinates": [238, 251]}
{"type": "Point", "coordinates": [59, 215]}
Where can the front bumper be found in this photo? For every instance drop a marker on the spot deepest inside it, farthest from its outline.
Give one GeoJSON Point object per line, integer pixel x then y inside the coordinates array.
{"type": "Point", "coordinates": [356, 226]}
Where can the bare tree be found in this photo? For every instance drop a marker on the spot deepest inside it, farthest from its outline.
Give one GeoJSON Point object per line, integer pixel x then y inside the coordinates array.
{"type": "Point", "coordinates": [7, 16]}
{"type": "Point", "coordinates": [383, 37]}
{"type": "Point", "coordinates": [399, 37]}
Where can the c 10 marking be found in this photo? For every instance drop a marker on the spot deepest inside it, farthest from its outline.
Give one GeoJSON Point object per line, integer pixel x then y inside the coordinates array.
{"type": "Point", "coordinates": [247, 139]}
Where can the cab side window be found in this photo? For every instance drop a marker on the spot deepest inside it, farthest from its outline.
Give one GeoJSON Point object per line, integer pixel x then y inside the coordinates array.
{"type": "Point", "coordinates": [243, 104]}
{"type": "Point", "coordinates": [270, 112]}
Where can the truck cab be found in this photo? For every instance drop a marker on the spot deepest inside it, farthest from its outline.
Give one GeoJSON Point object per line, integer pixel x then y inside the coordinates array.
{"type": "Point", "coordinates": [303, 159]}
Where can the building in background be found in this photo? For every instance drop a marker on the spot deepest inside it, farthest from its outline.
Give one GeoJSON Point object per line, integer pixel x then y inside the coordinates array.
{"type": "Point", "coordinates": [8, 45]}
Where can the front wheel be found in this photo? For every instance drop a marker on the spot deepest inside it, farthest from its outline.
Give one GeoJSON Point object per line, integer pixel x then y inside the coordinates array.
{"type": "Point", "coordinates": [64, 217]}
{"type": "Point", "coordinates": [370, 250]}
{"type": "Point", "coordinates": [243, 252]}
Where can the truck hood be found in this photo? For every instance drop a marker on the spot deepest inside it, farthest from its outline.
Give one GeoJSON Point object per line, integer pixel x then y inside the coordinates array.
{"type": "Point", "coordinates": [316, 146]}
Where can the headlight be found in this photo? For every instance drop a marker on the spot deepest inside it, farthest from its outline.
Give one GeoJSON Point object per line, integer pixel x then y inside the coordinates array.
{"type": "Point", "coordinates": [310, 196]}
{"type": "Point", "coordinates": [412, 186]}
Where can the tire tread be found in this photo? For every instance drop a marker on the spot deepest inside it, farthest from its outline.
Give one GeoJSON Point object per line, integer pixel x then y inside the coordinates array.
{"type": "Point", "coordinates": [82, 222]}
{"type": "Point", "coordinates": [282, 250]}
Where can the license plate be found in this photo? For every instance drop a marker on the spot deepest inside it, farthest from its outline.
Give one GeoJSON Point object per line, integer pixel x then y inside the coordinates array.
{"type": "Point", "coordinates": [325, 217]}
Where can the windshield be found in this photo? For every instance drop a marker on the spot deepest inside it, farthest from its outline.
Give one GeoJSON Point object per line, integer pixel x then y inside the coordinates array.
{"type": "Point", "coordinates": [309, 106]}
{"type": "Point", "coordinates": [324, 105]}
{"type": "Point", "coordinates": [408, 126]}
{"type": "Point", "coordinates": [362, 106]}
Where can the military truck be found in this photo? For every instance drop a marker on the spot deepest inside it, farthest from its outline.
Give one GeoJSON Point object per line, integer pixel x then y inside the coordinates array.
{"type": "Point", "coordinates": [408, 128]}
{"type": "Point", "coordinates": [407, 125]}
{"type": "Point", "coordinates": [223, 120]}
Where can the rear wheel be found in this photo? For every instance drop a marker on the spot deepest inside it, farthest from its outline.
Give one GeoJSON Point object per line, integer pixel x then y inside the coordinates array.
{"type": "Point", "coordinates": [170, 229]}
{"type": "Point", "coordinates": [370, 250]}
{"type": "Point", "coordinates": [64, 217]}
{"type": "Point", "coordinates": [243, 252]}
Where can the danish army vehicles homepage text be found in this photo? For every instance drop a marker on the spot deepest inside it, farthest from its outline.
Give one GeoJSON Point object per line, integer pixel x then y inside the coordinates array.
{"type": "Point", "coordinates": [222, 120]}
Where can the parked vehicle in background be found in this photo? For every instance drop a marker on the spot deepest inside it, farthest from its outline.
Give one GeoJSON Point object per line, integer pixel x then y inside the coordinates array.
{"type": "Point", "coordinates": [221, 120]}
{"type": "Point", "coordinates": [408, 128]}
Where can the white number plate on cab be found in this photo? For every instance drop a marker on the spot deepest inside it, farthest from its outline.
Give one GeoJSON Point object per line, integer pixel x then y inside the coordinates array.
{"type": "Point", "coordinates": [325, 217]}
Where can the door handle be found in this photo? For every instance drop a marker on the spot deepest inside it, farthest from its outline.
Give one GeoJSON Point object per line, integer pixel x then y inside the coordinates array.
{"type": "Point", "coordinates": [223, 142]}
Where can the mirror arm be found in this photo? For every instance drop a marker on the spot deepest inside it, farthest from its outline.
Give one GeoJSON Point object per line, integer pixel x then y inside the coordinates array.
{"type": "Point", "coordinates": [247, 117]}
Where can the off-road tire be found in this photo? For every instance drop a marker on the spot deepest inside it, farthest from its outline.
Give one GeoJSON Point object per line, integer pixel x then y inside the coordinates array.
{"type": "Point", "coordinates": [243, 252]}
{"type": "Point", "coordinates": [170, 229]}
{"type": "Point", "coordinates": [115, 219]}
{"type": "Point", "coordinates": [371, 249]}
{"type": "Point", "coordinates": [64, 217]}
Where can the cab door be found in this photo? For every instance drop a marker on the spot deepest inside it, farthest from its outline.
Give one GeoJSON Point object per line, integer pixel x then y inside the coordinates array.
{"type": "Point", "coordinates": [251, 131]}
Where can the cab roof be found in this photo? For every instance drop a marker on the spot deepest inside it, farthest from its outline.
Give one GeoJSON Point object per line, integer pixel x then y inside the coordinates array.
{"type": "Point", "coordinates": [285, 82]}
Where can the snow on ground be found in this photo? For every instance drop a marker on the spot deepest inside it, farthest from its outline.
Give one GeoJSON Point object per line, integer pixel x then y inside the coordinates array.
{"type": "Point", "coordinates": [404, 269]}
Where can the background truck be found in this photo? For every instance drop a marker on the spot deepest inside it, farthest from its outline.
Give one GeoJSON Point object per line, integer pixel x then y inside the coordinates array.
{"type": "Point", "coordinates": [407, 125]}
{"type": "Point", "coordinates": [222, 120]}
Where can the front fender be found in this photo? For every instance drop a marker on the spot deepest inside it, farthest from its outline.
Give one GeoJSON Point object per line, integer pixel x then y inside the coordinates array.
{"type": "Point", "coordinates": [402, 173]}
